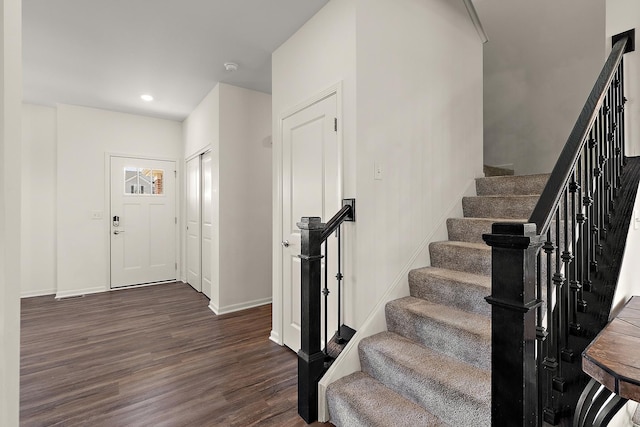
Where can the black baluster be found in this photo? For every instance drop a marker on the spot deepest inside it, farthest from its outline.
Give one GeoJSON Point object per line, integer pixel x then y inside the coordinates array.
{"type": "Point", "coordinates": [600, 188]}
{"type": "Point", "coordinates": [610, 154]}
{"type": "Point", "coordinates": [582, 242]}
{"type": "Point", "coordinates": [616, 130]}
{"type": "Point", "coordinates": [550, 363]}
{"type": "Point", "coordinates": [574, 282]}
{"type": "Point", "coordinates": [562, 265]}
{"type": "Point", "coordinates": [541, 336]}
{"type": "Point", "coordinates": [339, 278]}
{"type": "Point", "coordinates": [589, 202]}
{"type": "Point", "coordinates": [622, 110]}
{"type": "Point", "coordinates": [325, 292]}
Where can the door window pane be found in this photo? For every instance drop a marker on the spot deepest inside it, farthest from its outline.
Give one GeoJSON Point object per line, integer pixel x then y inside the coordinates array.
{"type": "Point", "coordinates": [143, 181]}
{"type": "Point", "coordinates": [158, 181]}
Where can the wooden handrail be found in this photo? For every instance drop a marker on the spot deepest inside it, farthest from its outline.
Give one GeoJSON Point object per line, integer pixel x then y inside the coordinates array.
{"type": "Point", "coordinates": [344, 214]}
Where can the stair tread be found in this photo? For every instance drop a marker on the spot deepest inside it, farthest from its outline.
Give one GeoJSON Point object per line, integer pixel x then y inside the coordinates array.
{"type": "Point", "coordinates": [529, 176]}
{"type": "Point", "coordinates": [460, 289]}
{"type": "Point", "coordinates": [471, 245]}
{"type": "Point", "coordinates": [471, 229]}
{"type": "Point", "coordinates": [364, 401]}
{"type": "Point", "coordinates": [458, 276]}
{"type": "Point", "coordinates": [456, 392]}
{"type": "Point", "coordinates": [471, 322]}
{"type": "Point", "coordinates": [512, 184]}
{"type": "Point", "coordinates": [491, 220]}
{"type": "Point", "coordinates": [505, 206]}
{"type": "Point", "coordinates": [460, 334]}
{"type": "Point", "coordinates": [462, 256]}
{"type": "Point", "coordinates": [504, 196]}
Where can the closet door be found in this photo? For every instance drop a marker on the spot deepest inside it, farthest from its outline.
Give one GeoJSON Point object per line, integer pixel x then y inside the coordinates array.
{"type": "Point", "coordinates": [208, 229]}
{"type": "Point", "coordinates": [193, 231]}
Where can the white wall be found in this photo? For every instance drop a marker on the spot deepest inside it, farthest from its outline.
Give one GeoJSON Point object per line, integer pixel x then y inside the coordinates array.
{"type": "Point", "coordinates": [202, 127]}
{"type": "Point", "coordinates": [245, 198]}
{"type": "Point", "coordinates": [623, 15]}
{"type": "Point", "coordinates": [235, 124]}
{"type": "Point", "coordinates": [10, 206]}
{"type": "Point", "coordinates": [84, 136]}
{"type": "Point", "coordinates": [321, 54]}
{"type": "Point", "coordinates": [38, 200]}
{"type": "Point", "coordinates": [540, 64]}
{"type": "Point", "coordinates": [419, 113]}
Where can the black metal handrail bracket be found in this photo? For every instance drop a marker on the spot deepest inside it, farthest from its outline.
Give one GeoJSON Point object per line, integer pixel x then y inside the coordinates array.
{"type": "Point", "coordinates": [545, 305]}
{"type": "Point", "coordinates": [312, 360]}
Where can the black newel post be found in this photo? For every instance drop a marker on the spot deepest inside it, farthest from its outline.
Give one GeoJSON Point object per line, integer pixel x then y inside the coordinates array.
{"type": "Point", "coordinates": [310, 356]}
{"type": "Point", "coordinates": [513, 329]}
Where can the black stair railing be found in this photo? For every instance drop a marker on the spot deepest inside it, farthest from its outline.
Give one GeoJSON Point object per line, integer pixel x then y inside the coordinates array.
{"type": "Point", "coordinates": [313, 360]}
{"type": "Point", "coordinates": [549, 298]}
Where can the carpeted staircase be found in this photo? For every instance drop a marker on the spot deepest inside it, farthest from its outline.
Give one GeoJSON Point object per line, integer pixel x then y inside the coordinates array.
{"type": "Point", "coordinates": [433, 365]}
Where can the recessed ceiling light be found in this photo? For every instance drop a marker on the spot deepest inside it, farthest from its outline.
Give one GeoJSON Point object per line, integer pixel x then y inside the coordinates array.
{"type": "Point", "coordinates": [147, 98]}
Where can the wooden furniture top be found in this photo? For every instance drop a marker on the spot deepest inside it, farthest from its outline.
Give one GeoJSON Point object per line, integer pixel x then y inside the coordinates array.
{"type": "Point", "coordinates": [613, 358]}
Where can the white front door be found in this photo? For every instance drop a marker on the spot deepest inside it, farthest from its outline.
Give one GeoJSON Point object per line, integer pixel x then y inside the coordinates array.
{"type": "Point", "coordinates": [311, 187]}
{"type": "Point", "coordinates": [193, 258]}
{"type": "Point", "coordinates": [143, 221]}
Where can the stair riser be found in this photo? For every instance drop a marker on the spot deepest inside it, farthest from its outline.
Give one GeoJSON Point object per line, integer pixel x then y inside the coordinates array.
{"type": "Point", "coordinates": [350, 407]}
{"type": "Point", "coordinates": [436, 397]}
{"type": "Point", "coordinates": [468, 229]}
{"type": "Point", "coordinates": [445, 339]}
{"type": "Point", "coordinates": [464, 296]}
{"type": "Point", "coordinates": [511, 185]}
{"type": "Point", "coordinates": [499, 207]}
{"type": "Point", "coordinates": [471, 260]}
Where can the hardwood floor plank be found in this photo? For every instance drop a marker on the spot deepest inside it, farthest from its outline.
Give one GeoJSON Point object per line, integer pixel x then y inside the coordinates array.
{"type": "Point", "coordinates": [152, 356]}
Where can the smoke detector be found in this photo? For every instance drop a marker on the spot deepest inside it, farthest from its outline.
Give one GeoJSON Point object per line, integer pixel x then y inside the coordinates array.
{"type": "Point", "coordinates": [231, 66]}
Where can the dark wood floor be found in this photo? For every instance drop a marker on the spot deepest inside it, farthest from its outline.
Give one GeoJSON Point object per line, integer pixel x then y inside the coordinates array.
{"type": "Point", "coordinates": [153, 356]}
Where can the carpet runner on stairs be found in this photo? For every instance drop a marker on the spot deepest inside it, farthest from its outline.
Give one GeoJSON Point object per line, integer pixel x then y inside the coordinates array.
{"type": "Point", "coordinates": [433, 365]}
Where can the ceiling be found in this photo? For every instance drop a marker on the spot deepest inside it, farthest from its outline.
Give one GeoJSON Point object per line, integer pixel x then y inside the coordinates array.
{"type": "Point", "coordinates": [106, 53]}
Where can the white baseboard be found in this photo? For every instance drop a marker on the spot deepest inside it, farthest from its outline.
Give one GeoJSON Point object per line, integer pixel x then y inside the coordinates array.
{"type": "Point", "coordinates": [213, 308]}
{"type": "Point", "coordinates": [349, 360]}
{"type": "Point", "coordinates": [38, 293]}
{"type": "Point", "coordinates": [79, 292]}
{"type": "Point", "coordinates": [275, 337]}
{"type": "Point", "coordinates": [240, 306]}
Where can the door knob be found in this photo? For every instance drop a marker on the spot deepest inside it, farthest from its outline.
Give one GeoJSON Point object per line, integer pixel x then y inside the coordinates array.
{"type": "Point", "coordinates": [118, 231]}
{"type": "Point", "coordinates": [285, 243]}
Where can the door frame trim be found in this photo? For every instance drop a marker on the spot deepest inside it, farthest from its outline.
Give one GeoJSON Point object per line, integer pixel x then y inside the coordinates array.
{"type": "Point", "coordinates": [277, 331]}
{"type": "Point", "coordinates": [107, 203]}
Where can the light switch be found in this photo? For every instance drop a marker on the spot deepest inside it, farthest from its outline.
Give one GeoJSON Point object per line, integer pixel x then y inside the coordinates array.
{"type": "Point", "coordinates": [377, 171]}
{"type": "Point", "coordinates": [96, 215]}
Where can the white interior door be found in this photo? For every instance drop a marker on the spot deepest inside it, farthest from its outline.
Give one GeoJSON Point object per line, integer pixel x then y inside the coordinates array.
{"type": "Point", "coordinates": [193, 256]}
{"type": "Point", "coordinates": [207, 211]}
{"type": "Point", "coordinates": [311, 168]}
{"type": "Point", "coordinates": [143, 221]}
